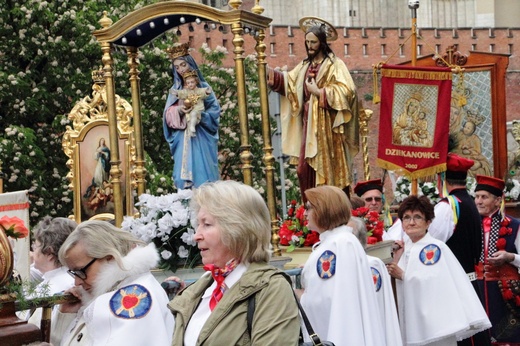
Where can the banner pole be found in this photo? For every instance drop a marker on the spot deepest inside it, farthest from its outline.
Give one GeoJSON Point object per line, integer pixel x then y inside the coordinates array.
{"type": "Point", "coordinates": [414, 5]}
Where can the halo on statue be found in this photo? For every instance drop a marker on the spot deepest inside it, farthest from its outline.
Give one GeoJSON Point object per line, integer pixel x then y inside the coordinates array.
{"type": "Point", "coordinates": [308, 22]}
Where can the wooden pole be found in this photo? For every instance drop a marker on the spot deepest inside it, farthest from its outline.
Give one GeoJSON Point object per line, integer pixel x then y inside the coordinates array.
{"type": "Point", "coordinates": [414, 5]}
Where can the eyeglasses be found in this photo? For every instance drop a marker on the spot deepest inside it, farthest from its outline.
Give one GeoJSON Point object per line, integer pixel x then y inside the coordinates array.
{"type": "Point", "coordinates": [415, 218]}
{"type": "Point", "coordinates": [81, 273]}
{"type": "Point", "coordinates": [370, 199]}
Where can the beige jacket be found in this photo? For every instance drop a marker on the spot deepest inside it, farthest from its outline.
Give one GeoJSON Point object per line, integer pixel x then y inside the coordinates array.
{"type": "Point", "coordinates": [275, 322]}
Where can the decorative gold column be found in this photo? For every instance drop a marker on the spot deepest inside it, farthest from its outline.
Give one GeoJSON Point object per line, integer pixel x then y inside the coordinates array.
{"type": "Point", "coordinates": [266, 134]}
{"type": "Point", "coordinates": [140, 170]}
{"type": "Point", "coordinates": [115, 161]}
{"type": "Point", "coordinates": [363, 131]}
{"type": "Point", "coordinates": [245, 148]}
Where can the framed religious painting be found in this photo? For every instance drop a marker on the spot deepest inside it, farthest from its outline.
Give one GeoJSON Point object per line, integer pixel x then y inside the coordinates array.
{"type": "Point", "coordinates": [87, 144]}
{"type": "Point", "coordinates": [477, 124]}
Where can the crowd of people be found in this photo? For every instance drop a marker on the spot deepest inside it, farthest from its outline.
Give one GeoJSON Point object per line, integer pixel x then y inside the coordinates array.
{"type": "Point", "coordinates": [346, 294]}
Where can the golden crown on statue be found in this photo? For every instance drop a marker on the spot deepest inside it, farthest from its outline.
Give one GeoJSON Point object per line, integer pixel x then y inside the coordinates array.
{"type": "Point", "coordinates": [98, 76]}
{"type": "Point", "coordinates": [178, 50]}
{"type": "Point", "coordinates": [474, 117]}
{"type": "Point", "coordinates": [190, 73]}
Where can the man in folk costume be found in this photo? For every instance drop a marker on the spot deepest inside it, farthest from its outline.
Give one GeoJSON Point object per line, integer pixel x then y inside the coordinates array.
{"type": "Point", "coordinates": [497, 272]}
{"type": "Point", "coordinates": [320, 125]}
{"type": "Point", "coordinates": [457, 223]}
{"type": "Point", "coordinates": [371, 192]}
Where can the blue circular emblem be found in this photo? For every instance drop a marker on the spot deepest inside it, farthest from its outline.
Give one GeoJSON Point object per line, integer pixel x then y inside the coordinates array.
{"type": "Point", "coordinates": [326, 265]}
{"type": "Point", "coordinates": [132, 301]}
{"type": "Point", "coordinates": [430, 254]}
{"type": "Point", "coordinates": [376, 276]}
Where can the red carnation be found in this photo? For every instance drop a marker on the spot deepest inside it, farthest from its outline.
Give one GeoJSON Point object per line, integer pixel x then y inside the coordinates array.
{"type": "Point", "coordinates": [290, 212]}
{"type": "Point", "coordinates": [360, 212]}
{"type": "Point", "coordinates": [285, 234]}
{"type": "Point", "coordinates": [293, 202]}
{"type": "Point", "coordinates": [517, 300]}
{"type": "Point", "coordinates": [378, 232]}
{"type": "Point", "coordinates": [371, 240]}
{"type": "Point", "coordinates": [299, 213]}
{"type": "Point", "coordinates": [312, 238]}
{"type": "Point", "coordinates": [505, 222]}
{"type": "Point", "coordinates": [501, 244]}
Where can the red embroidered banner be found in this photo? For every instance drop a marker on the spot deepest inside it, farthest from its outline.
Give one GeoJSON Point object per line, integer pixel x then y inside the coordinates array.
{"type": "Point", "coordinates": [414, 120]}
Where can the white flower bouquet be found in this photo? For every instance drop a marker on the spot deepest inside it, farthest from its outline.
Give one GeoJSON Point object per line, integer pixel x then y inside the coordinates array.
{"type": "Point", "coordinates": [512, 190]}
{"type": "Point", "coordinates": [403, 190]}
{"type": "Point", "coordinates": [166, 221]}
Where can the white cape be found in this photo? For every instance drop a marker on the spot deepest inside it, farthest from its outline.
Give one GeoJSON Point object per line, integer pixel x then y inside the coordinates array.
{"type": "Point", "coordinates": [343, 308]}
{"type": "Point", "coordinates": [386, 301]}
{"type": "Point", "coordinates": [436, 301]}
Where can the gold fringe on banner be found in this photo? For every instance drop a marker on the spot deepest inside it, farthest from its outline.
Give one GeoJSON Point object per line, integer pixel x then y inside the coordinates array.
{"type": "Point", "coordinates": [415, 74]}
{"type": "Point", "coordinates": [420, 173]}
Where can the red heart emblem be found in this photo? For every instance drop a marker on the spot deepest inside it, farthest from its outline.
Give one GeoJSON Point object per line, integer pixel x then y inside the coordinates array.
{"type": "Point", "coordinates": [429, 255]}
{"type": "Point", "coordinates": [130, 301]}
{"type": "Point", "coordinates": [326, 266]}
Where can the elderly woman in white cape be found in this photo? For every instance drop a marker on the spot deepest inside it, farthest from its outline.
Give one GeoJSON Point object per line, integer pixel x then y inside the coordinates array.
{"type": "Point", "coordinates": [121, 301]}
{"type": "Point", "coordinates": [436, 301]}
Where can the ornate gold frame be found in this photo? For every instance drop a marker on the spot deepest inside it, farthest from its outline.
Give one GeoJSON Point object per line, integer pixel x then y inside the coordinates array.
{"type": "Point", "coordinates": [91, 113]}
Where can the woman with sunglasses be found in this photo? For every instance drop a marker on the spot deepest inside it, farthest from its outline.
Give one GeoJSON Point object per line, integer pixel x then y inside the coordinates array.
{"type": "Point", "coordinates": [436, 301]}
{"type": "Point", "coordinates": [121, 301]}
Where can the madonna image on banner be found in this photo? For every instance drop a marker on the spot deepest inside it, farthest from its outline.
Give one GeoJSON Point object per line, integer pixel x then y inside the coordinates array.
{"type": "Point", "coordinates": [414, 124]}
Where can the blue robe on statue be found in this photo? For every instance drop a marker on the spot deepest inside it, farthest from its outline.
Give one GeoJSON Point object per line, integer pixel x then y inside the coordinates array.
{"type": "Point", "coordinates": [195, 158]}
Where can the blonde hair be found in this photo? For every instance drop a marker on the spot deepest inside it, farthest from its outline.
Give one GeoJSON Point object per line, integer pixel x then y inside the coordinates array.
{"type": "Point", "coordinates": [241, 214]}
{"type": "Point", "coordinates": [100, 239]}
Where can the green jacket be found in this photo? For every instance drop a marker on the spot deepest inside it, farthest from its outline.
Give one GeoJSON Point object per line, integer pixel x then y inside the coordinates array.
{"type": "Point", "coordinates": [276, 320]}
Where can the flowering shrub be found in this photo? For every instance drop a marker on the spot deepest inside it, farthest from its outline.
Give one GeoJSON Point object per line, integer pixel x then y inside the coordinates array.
{"type": "Point", "coordinates": [293, 230]}
{"type": "Point", "coordinates": [165, 220]}
{"type": "Point", "coordinates": [375, 226]}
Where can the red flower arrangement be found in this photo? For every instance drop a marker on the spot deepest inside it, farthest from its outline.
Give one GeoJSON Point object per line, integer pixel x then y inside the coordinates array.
{"type": "Point", "coordinates": [13, 227]}
{"type": "Point", "coordinates": [375, 226]}
{"type": "Point", "coordinates": [293, 230]}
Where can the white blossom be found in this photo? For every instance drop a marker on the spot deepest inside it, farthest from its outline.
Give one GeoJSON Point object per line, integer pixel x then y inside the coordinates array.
{"type": "Point", "coordinates": [183, 252]}
{"type": "Point", "coordinates": [189, 237]}
{"type": "Point", "coordinates": [165, 254]}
